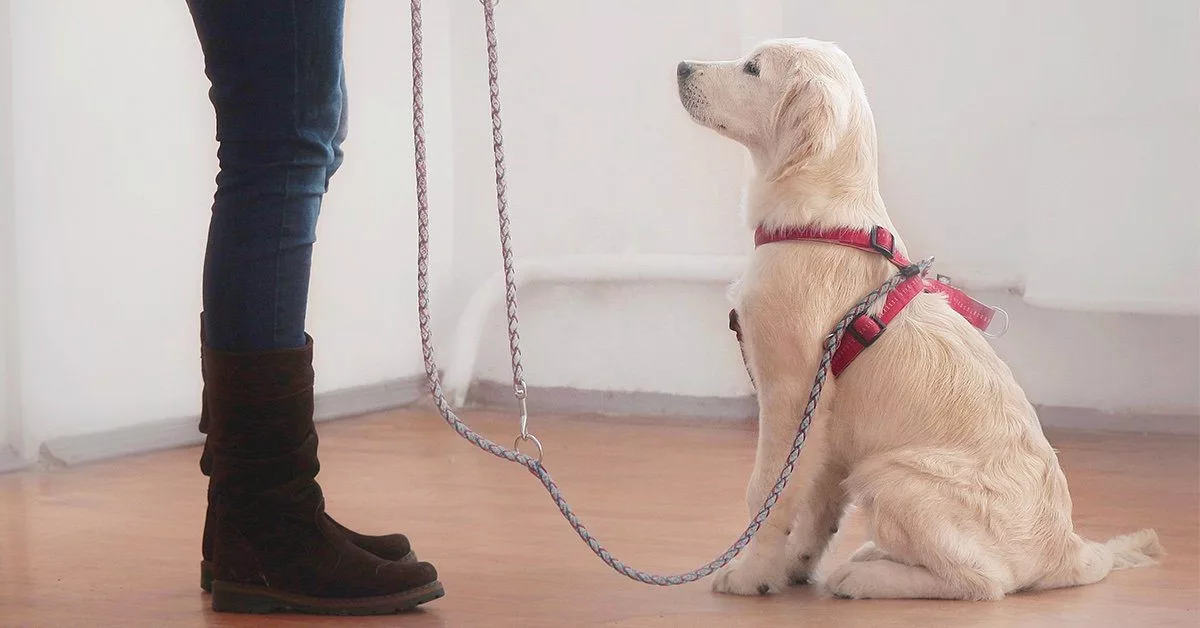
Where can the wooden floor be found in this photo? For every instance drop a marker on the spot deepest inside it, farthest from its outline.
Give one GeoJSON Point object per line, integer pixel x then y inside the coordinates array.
{"type": "Point", "coordinates": [117, 544]}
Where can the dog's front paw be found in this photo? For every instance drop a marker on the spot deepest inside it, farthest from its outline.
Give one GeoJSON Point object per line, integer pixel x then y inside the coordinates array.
{"type": "Point", "coordinates": [750, 577]}
{"type": "Point", "coordinates": [802, 571]}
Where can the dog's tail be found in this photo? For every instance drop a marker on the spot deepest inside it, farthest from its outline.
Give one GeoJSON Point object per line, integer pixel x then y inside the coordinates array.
{"type": "Point", "coordinates": [1094, 561]}
{"type": "Point", "coordinates": [1088, 562]}
{"type": "Point", "coordinates": [1135, 550]}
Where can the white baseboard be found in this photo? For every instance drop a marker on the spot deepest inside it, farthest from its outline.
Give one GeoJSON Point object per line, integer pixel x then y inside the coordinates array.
{"type": "Point", "coordinates": [571, 401]}
{"type": "Point", "coordinates": [1059, 417]}
{"type": "Point", "coordinates": [181, 432]}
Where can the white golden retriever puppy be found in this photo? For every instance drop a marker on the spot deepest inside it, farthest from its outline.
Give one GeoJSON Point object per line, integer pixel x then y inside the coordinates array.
{"type": "Point", "coordinates": [927, 431]}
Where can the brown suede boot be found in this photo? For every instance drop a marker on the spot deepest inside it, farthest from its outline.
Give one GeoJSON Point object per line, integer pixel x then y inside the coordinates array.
{"type": "Point", "coordinates": [273, 547]}
{"type": "Point", "coordinates": [394, 547]}
{"type": "Point", "coordinates": [388, 547]}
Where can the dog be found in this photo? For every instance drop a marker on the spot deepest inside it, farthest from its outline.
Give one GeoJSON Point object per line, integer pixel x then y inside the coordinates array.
{"type": "Point", "coordinates": [927, 432]}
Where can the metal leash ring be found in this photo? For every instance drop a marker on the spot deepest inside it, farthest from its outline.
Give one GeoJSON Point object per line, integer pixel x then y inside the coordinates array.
{"type": "Point", "coordinates": [528, 438]}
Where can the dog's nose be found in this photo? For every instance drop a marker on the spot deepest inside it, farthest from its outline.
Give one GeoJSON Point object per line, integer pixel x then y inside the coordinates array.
{"type": "Point", "coordinates": [683, 70]}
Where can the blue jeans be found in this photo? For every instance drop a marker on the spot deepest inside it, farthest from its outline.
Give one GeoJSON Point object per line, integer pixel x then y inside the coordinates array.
{"type": "Point", "coordinates": [279, 91]}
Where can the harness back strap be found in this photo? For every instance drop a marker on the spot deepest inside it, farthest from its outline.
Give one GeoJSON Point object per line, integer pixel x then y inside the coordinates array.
{"type": "Point", "coordinates": [866, 329]}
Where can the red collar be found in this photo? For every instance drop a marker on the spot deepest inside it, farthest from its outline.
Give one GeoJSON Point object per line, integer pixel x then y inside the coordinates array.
{"type": "Point", "coordinates": [866, 329]}
{"type": "Point", "coordinates": [874, 240]}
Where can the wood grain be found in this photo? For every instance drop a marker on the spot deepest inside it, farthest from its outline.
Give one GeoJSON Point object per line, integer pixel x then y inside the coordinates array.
{"type": "Point", "coordinates": [117, 543]}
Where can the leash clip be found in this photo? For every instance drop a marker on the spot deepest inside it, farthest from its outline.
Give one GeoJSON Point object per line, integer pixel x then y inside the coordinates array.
{"type": "Point", "coordinates": [521, 392]}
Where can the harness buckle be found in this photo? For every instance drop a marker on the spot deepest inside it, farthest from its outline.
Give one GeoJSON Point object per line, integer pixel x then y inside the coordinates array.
{"type": "Point", "coordinates": [858, 334]}
{"type": "Point", "coordinates": [1003, 330]}
{"type": "Point", "coordinates": [883, 241]}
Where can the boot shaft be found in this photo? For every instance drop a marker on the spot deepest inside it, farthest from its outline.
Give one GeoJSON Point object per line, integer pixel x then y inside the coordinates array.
{"type": "Point", "coordinates": [258, 405]}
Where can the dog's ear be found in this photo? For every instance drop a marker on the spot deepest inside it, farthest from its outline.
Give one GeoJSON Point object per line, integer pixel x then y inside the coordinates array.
{"type": "Point", "coordinates": [808, 120]}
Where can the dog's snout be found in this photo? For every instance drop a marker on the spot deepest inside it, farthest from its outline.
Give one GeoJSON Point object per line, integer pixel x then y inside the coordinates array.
{"type": "Point", "coordinates": [684, 69]}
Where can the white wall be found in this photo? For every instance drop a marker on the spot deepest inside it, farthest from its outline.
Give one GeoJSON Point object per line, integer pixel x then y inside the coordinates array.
{"type": "Point", "coordinates": [602, 159]}
{"type": "Point", "coordinates": [10, 428]}
{"type": "Point", "coordinates": [114, 166]}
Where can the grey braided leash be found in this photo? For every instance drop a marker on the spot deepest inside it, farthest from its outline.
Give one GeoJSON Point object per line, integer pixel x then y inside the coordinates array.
{"type": "Point", "coordinates": [534, 464]}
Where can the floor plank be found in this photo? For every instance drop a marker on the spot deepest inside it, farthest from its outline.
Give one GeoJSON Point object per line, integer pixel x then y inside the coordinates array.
{"type": "Point", "coordinates": [117, 544]}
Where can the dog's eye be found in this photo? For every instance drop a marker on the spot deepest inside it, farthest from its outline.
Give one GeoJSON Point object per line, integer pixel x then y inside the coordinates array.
{"type": "Point", "coordinates": [751, 67]}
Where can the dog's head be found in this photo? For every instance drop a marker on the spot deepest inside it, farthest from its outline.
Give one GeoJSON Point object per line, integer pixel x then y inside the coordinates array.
{"type": "Point", "coordinates": [790, 102]}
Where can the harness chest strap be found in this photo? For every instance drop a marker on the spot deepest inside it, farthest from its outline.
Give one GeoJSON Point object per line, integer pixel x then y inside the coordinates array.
{"type": "Point", "coordinates": [866, 329]}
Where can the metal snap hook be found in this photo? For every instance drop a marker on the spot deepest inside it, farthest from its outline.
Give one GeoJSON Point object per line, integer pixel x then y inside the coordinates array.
{"type": "Point", "coordinates": [524, 417]}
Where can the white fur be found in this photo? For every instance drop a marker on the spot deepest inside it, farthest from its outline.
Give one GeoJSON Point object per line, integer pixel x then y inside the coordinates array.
{"type": "Point", "coordinates": [927, 431]}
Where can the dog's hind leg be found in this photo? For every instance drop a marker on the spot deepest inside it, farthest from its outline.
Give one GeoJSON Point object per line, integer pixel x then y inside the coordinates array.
{"type": "Point", "coordinates": [886, 579]}
{"type": "Point", "coordinates": [928, 543]}
{"type": "Point", "coordinates": [893, 569]}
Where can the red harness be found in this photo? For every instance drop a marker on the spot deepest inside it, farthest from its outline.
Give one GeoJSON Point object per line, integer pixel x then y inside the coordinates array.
{"type": "Point", "coordinates": [867, 328]}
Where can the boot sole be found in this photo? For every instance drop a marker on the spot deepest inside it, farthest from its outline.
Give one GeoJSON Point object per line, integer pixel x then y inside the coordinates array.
{"type": "Point", "coordinates": [228, 597]}
{"type": "Point", "coordinates": [206, 571]}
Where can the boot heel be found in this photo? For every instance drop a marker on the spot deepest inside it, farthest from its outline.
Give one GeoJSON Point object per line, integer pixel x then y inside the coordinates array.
{"type": "Point", "coordinates": [231, 598]}
{"type": "Point", "coordinates": [206, 576]}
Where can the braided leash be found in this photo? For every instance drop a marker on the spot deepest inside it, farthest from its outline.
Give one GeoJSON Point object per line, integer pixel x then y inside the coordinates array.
{"type": "Point", "coordinates": [534, 464]}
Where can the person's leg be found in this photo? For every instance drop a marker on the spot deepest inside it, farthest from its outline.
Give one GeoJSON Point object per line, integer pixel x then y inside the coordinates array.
{"type": "Point", "coordinates": [279, 94]}
{"type": "Point", "coordinates": [276, 74]}
{"type": "Point", "coordinates": [387, 546]}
